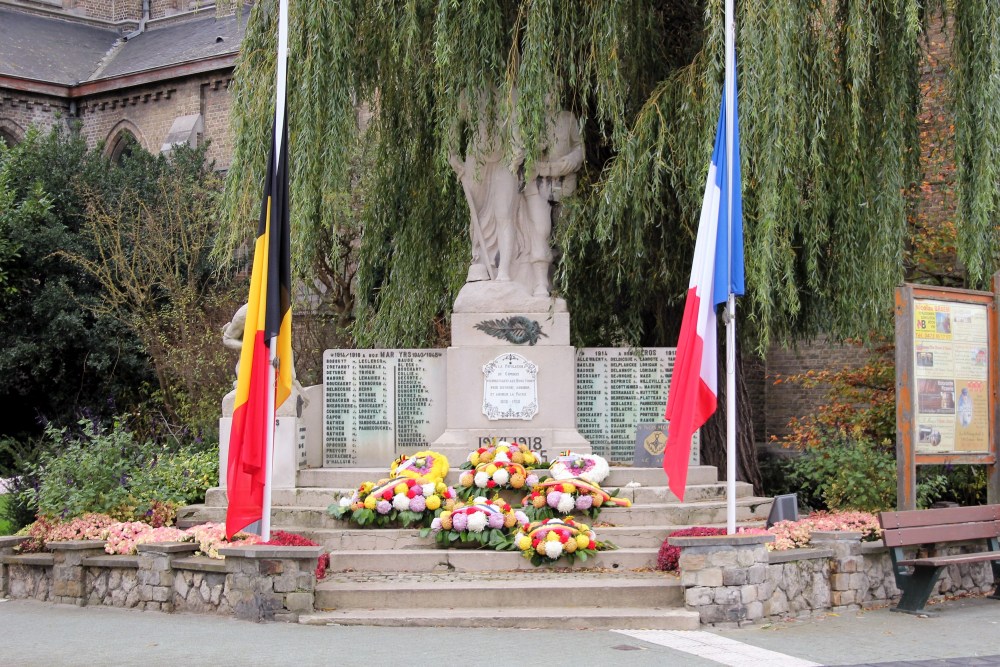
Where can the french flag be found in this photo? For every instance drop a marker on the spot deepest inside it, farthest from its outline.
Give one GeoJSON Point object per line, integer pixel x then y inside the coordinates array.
{"type": "Point", "coordinates": [717, 271]}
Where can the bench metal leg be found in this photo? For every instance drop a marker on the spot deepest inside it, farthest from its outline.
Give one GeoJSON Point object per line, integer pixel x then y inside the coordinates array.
{"type": "Point", "coordinates": [995, 566]}
{"type": "Point", "coordinates": [917, 589]}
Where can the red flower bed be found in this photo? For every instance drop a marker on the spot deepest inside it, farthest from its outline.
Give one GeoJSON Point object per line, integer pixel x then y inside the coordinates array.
{"type": "Point", "coordinates": [280, 538]}
{"type": "Point", "coordinates": [666, 560]}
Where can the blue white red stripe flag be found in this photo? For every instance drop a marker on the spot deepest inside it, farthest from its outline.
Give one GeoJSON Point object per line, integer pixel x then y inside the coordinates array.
{"type": "Point", "coordinates": [717, 271]}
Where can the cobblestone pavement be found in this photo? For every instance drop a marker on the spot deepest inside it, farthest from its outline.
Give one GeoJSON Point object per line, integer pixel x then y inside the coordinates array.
{"type": "Point", "coordinates": [964, 633]}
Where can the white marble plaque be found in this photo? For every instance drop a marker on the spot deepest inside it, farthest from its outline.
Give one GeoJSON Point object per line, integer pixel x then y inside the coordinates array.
{"type": "Point", "coordinates": [381, 403]}
{"type": "Point", "coordinates": [616, 390]}
{"type": "Point", "coordinates": [510, 388]}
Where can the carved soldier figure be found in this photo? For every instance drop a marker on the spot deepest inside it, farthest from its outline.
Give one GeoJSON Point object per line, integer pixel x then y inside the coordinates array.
{"type": "Point", "coordinates": [552, 178]}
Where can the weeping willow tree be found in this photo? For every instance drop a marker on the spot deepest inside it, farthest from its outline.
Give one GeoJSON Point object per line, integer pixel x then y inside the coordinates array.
{"type": "Point", "coordinates": [829, 99]}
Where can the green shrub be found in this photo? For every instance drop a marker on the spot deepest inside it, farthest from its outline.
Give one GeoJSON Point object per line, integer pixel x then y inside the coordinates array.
{"type": "Point", "coordinates": [6, 528]}
{"type": "Point", "coordinates": [111, 472]}
{"type": "Point", "coordinates": [17, 458]}
{"type": "Point", "coordinates": [842, 474]}
{"type": "Point", "coordinates": [88, 472]}
{"type": "Point", "coordinates": [179, 477]}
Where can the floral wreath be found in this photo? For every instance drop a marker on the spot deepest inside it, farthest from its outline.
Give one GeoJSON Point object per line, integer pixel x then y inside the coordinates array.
{"type": "Point", "coordinates": [495, 476]}
{"type": "Point", "coordinates": [485, 521]}
{"type": "Point", "coordinates": [590, 467]}
{"type": "Point", "coordinates": [549, 540]}
{"type": "Point", "coordinates": [501, 451]}
{"type": "Point", "coordinates": [563, 496]}
{"type": "Point", "coordinates": [424, 467]}
{"type": "Point", "coordinates": [388, 501]}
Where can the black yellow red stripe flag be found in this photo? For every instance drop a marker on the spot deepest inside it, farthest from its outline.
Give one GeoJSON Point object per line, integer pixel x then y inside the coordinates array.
{"type": "Point", "coordinates": [261, 388]}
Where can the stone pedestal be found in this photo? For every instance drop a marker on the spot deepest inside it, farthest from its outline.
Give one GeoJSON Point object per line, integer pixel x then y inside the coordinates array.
{"type": "Point", "coordinates": [725, 576]}
{"type": "Point", "coordinates": [269, 583]}
{"type": "Point", "coordinates": [492, 319]}
{"type": "Point", "coordinates": [67, 569]}
{"type": "Point", "coordinates": [156, 572]}
{"type": "Point", "coordinates": [296, 443]}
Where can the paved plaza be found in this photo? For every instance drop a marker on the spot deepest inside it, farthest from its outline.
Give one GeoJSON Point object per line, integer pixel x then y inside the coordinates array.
{"type": "Point", "coordinates": [964, 632]}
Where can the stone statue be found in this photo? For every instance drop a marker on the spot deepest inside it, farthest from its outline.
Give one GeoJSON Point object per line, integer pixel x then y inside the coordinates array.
{"type": "Point", "coordinates": [491, 190]}
{"type": "Point", "coordinates": [511, 218]}
{"type": "Point", "coordinates": [232, 333]}
{"type": "Point", "coordinates": [553, 177]}
{"type": "Point", "coordinates": [232, 338]}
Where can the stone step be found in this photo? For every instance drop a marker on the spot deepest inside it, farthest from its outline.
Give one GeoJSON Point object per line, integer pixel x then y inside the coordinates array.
{"type": "Point", "coordinates": [620, 476]}
{"type": "Point", "coordinates": [699, 513]}
{"type": "Point", "coordinates": [322, 497]}
{"type": "Point", "coordinates": [564, 618]}
{"type": "Point", "coordinates": [475, 560]}
{"type": "Point", "coordinates": [337, 539]}
{"type": "Point", "coordinates": [541, 588]}
{"type": "Point", "coordinates": [703, 513]}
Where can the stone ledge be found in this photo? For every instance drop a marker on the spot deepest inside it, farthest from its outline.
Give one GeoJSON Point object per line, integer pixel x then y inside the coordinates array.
{"type": "Point", "coordinates": [111, 561]}
{"type": "Point", "coordinates": [871, 548]}
{"type": "Point", "coordinates": [11, 541]}
{"type": "Point", "coordinates": [199, 564]}
{"type": "Point", "coordinates": [775, 557]}
{"type": "Point", "coordinates": [44, 560]}
{"type": "Point", "coordinates": [835, 536]}
{"type": "Point", "coordinates": [75, 545]}
{"type": "Point", "coordinates": [168, 547]}
{"type": "Point", "coordinates": [267, 551]}
{"type": "Point", "coordinates": [718, 540]}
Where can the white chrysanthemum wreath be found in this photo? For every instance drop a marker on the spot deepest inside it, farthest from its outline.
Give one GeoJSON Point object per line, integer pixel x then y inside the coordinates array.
{"type": "Point", "coordinates": [590, 467]}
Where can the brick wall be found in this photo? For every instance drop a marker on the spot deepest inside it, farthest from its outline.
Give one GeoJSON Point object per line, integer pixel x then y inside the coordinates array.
{"type": "Point", "coordinates": [19, 111]}
{"type": "Point", "coordinates": [107, 10]}
{"type": "Point", "coordinates": [216, 104]}
{"type": "Point", "coordinates": [784, 401]}
{"type": "Point", "coordinates": [148, 112]}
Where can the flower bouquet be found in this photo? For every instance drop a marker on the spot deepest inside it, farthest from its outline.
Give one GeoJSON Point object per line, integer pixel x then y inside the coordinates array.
{"type": "Point", "coordinates": [554, 497]}
{"type": "Point", "coordinates": [494, 476]}
{"type": "Point", "coordinates": [401, 500]}
{"type": "Point", "coordinates": [589, 467]}
{"type": "Point", "coordinates": [212, 536]}
{"type": "Point", "coordinates": [501, 451]}
{"type": "Point", "coordinates": [548, 540]}
{"type": "Point", "coordinates": [482, 523]}
{"type": "Point", "coordinates": [425, 467]}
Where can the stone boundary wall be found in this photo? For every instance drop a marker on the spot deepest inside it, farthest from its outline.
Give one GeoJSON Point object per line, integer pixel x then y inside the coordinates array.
{"type": "Point", "coordinates": [733, 579]}
{"type": "Point", "coordinates": [257, 583]}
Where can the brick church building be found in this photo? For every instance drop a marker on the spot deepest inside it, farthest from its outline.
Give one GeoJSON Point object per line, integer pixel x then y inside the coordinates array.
{"type": "Point", "coordinates": [157, 71]}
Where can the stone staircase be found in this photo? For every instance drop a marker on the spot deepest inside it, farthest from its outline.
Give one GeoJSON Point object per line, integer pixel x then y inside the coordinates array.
{"type": "Point", "coordinates": [395, 577]}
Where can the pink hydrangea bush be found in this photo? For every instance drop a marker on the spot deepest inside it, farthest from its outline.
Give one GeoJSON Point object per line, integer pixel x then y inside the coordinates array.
{"type": "Point", "coordinates": [212, 536]}
{"type": "Point", "coordinates": [125, 538]}
{"type": "Point", "coordinates": [87, 527]}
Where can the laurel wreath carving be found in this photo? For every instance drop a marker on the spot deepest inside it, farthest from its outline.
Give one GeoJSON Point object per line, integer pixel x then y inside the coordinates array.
{"type": "Point", "coordinates": [516, 329]}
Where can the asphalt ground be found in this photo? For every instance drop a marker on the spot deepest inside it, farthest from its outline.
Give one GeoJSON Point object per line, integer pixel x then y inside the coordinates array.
{"type": "Point", "coordinates": [963, 632]}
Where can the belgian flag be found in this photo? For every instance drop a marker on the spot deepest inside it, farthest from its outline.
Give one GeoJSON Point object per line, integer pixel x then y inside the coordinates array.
{"type": "Point", "coordinates": [261, 387]}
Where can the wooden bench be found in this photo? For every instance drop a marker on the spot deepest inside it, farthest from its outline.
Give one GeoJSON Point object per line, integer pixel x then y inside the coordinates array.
{"type": "Point", "coordinates": [916, 577]}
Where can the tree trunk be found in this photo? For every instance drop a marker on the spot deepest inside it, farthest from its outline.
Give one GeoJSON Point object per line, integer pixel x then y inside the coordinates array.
{"type": "Point", "coordinates": [713, 433]}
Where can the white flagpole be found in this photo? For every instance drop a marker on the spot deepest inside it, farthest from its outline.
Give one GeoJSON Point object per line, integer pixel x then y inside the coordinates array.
{"type": "Point", "coordinates": [279, 127]}
{"type": "Point", "coordinates": [730, 92]}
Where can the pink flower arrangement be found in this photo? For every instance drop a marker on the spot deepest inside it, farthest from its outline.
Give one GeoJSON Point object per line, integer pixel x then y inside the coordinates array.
{"type": "Point", "coordinates": [87, 527]}
{"type": "Point", "coordinates": [125, 538]}
{"type": "Point", "coordinates": [787, 534]}
{"type": "Point", "coordinates": [212, 536]}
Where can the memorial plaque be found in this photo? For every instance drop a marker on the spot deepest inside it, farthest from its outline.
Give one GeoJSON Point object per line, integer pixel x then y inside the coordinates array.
{"type": "Point", "coordinates": [381, 403]}
{"type": "Point", "coordinates": [651, 442]}
{"type": "Point", "coordinates": [616, 390]}
{"type": "Point", "coordinates": [510, 388]}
